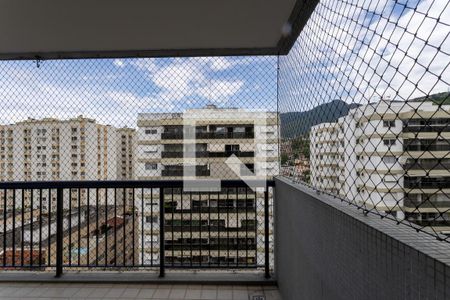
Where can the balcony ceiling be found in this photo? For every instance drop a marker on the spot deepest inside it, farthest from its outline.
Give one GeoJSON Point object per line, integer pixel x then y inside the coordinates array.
{"type": "Point", "coordinates": [50, 29]}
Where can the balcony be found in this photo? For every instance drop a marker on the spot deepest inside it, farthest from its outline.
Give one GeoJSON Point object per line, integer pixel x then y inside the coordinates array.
{"type": "Point", "coordinates": [353, 89]}
{"type": "Point", "coordinates": [181, 154]}
{"type": "Point", "coordinates": [202, 154]}
{"type": "Point", "coordinates": [433, 204]}
{"type": "Point", "coordinates": [172, 135]}
{"type": "Point", "coordinates": [431, 164]}
{"type": "Point", "coordinates": [427, 182]}
{"type": "Point", "coordinates": [180, 172]}
{"type": "Point", "coordinates": [114, 230]}
{"type": "Point", "coordinates": [430, 147]}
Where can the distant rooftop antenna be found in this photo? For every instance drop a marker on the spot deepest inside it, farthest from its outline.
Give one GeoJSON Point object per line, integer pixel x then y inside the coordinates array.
{"type": "Point", "coordinates": [385, 98]}
{"type": "Point", "coordinates": [211, 106]}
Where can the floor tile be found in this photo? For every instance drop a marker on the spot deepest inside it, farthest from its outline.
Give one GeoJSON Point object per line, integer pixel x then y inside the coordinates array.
{"type": "Point", "coordinates": [209, 294]}
{"type": "Point", "coordinates": [193, 294]}
{"type": "Point", "coordinates": [224, 294]}
{"type": "Point", "coordinates": [177, 293]}
{"type": "Point", "coordinates": [240, 295]}
{"type": "Point", "coordinates": [115, 293]}
{"type": "Point", "coordinates": [133, 291]}
{"type": "Point", "coordinates": [146, 293]}
{"type": "Point", "coordinates": [161, 293]}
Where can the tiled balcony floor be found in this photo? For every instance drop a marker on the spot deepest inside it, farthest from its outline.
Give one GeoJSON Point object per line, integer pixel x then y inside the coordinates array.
{"type": "Point", "coordinates": [134, 291]}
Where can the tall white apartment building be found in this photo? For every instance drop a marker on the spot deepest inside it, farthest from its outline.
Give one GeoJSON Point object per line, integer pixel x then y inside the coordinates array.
{"type": "Point", "coordinates": [56, 150]}
{"type": "Point", "coordinates": [390, 155]}
{"type": "Point", "coordinates": [204, 139]}
{"type": "Point", "coordinates": [251, 136]}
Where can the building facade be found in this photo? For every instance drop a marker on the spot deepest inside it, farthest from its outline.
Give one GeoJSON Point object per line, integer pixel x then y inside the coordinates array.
{"type": "Point", "coordinates": [388, 156]}
{"type": "Point", "coordinates": [197, 144]}
{"type": "Point", "coordinates": [64, 150]}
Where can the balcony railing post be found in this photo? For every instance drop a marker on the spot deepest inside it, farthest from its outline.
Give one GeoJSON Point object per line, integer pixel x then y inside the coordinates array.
{"type": "Point", "coordinates": [266, 234]}
{"type": "Point", "coordinates": [161, 234]}
{"type": "Point", "coordinates": [59, 232]}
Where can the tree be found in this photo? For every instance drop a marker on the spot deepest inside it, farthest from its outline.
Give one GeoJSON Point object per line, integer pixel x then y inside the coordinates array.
{"type": "Point", "coordinates": [300, 146]}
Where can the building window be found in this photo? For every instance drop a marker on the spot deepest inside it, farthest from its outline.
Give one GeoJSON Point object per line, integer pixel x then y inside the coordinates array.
{"type": "Point", "coordinates": [389, 142]}
{"type": "Point", "coordinates": [389, 159]}
{"type": "Point", "coordinates": [151, 131]}
{"type": "Point", "coordinates": [231, 148]}
{"type": "Point", "coordinates": [151, 166]}
{"type": "Point", "coordinates": [389, 178]}
{"type": "Point", "coordinates": [151, 219]}
{"type": "Point", "coordinates": [389, 124]}
{"type": "Point", "coordinates": [150, 149]}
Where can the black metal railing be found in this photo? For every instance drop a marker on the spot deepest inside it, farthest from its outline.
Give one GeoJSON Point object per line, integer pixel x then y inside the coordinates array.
{"type": "Point", "coordinates": [430, 164]}
{"type": "Point", "coordinates": [180, 172]}
{"type": "Point", "coordinates": [427, 182]}
{"type": "Point", "coordinates": [134, 225]}
{"type": "Point", "coordinates": [209, 135]}
{"type": "Point", "coordinates": [427, 128]}
{"type": "Point", "coordinates": [225, 135]}
{"type": "Point", "coordinates": [200, 154]}
{"type": "Point", "coordinates": [229, 153]}
{"type": "Point", "coordinates": [181, 154]}
{"type": "Point", "coordinates": [428, 203]}
{"type": "Point", "coordinates": [426, 145]}
{"type": "Point", "coordinates": [423, 147]}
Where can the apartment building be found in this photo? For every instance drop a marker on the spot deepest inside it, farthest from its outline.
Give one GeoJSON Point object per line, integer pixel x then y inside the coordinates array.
{"type": "Point", "coordinates": [389, 156]}
{"type": "Point", "coordinates": [196, 145]}
{"type": "Point", "coordinates": [56, 150]}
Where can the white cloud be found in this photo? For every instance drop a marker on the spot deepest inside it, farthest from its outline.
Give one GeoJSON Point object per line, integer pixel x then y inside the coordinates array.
{"type": "Point", "coordinates": [26, 92]}
{"type": "Point", "coordinates": [133, 101]}
{"type": "Point", "coordinates": [145, 64]}
{"type": "Point", "coordinates": [220, 90]}
{"type": "Point", "coordinates": [119, 63]}
{"type": "Point", "coordinates": [184, 79]}
{"type": "Point", "coordinates": [347, 57]}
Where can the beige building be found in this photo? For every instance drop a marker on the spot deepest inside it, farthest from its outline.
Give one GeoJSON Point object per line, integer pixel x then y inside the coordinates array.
{"type": "Point", "coordinates": [58, 150]}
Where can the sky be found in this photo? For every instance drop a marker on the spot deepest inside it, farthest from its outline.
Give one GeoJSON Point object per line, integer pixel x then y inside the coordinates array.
{"type": "Point", "coordinates": [361, 51]}
{"type": "Point", "coordinates": [114, 91]}
{"type": "Point", "coordinates": [355, 50]}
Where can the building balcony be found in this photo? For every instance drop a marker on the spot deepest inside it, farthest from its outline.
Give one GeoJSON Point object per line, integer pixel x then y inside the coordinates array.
{"type": "Point", "coordinates": [204, 154]}
{"type": "Point", "coordinates": [209, 135]}
{"type": "Point", "coordinates": [181, 154]}
{"type": "Point", "coordinates": [427, 128]}
{"type": "Point", "coordinates": [431, 164]}
{"type": "Point", "coordinates": [427, 182]}
{"type": "Point", "coordinates": [423, 147]}
{"type": "Point", "coordinates": [180, 172]}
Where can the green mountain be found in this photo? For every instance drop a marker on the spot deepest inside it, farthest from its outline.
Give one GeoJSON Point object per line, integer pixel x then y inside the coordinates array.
{"type": "Point", "coordinates": [438, 99]}
{"type": "Point", "coordinates": [295, 124]}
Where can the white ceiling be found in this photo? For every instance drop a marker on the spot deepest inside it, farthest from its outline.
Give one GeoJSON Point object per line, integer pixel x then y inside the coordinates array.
{"type": "Point", "coordinates": [114, 28]}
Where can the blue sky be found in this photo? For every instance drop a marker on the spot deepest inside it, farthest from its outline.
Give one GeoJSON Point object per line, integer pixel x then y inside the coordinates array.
{"type": "Point", "coordinates": [361, 51]}
{"type": "Point", "coordinates": [114, 91]}
{"type": "Point", "coordinates": [350, 54]}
